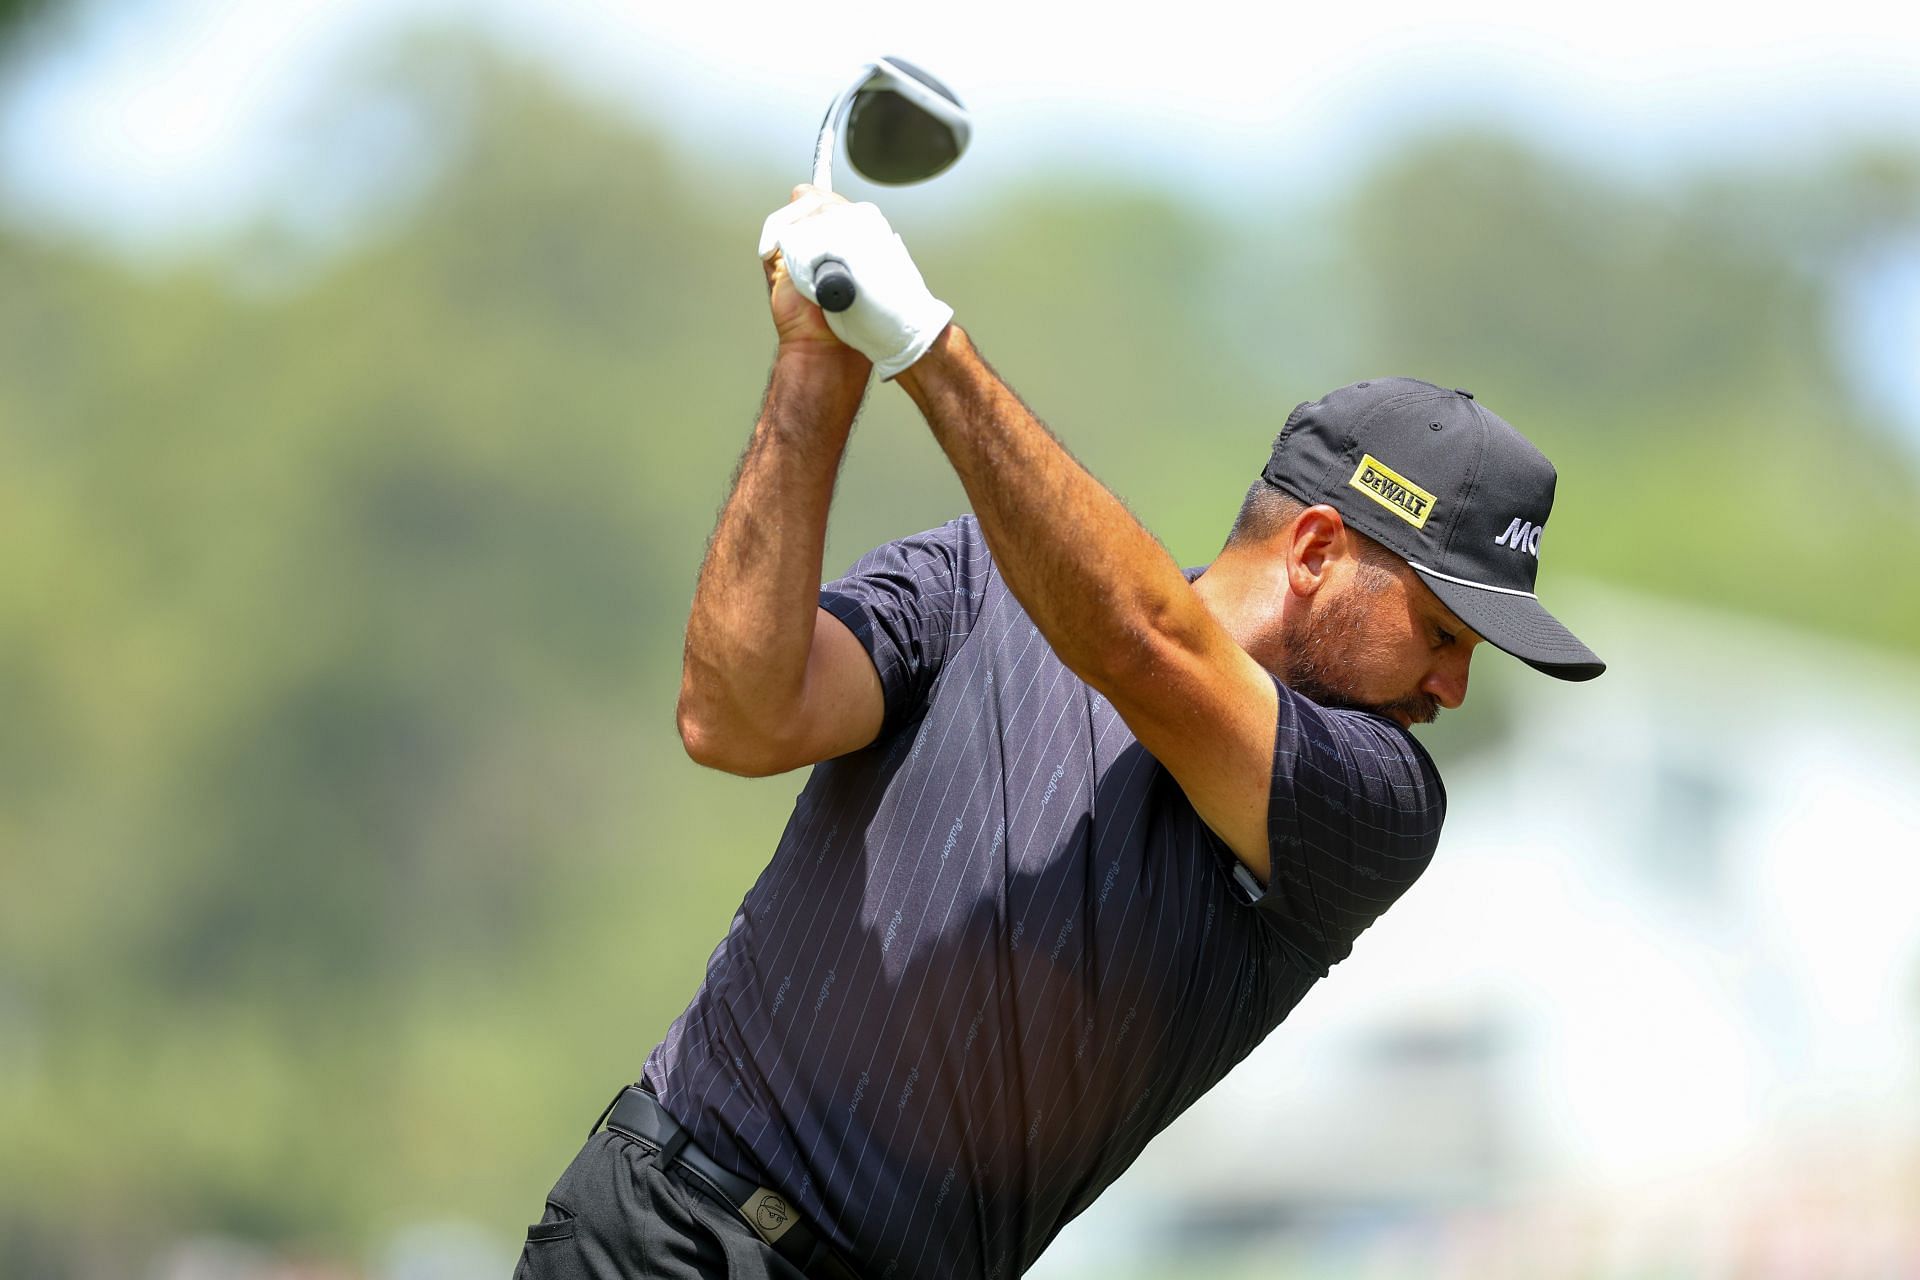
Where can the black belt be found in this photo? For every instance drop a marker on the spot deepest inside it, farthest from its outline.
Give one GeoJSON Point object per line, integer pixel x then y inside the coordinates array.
{"type": "Point", "coordinates": [638, 1115]}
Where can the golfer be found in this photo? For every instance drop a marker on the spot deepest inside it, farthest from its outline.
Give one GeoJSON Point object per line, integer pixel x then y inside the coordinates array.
{"type": "Point", "coordinates": [1081, 828]}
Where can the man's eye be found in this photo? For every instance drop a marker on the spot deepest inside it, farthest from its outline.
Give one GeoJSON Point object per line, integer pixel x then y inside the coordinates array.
{"type": "Point", "coordinates": [1442, 638]}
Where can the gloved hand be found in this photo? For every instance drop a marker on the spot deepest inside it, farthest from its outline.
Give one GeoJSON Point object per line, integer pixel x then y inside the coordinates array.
{"type": "Point", "coordinates": [893, 319]}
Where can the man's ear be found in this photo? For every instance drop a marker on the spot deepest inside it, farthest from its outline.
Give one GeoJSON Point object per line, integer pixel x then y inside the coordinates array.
{"type": "Point", "coordinates": [1317, 537]}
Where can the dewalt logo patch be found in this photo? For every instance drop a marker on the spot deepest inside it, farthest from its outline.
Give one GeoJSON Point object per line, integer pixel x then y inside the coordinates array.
{"type": "Point", "coordinates": [1393, 491]}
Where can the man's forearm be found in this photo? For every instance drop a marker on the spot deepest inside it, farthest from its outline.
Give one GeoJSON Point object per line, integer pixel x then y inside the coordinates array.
{"type": "Point", "coordinates": [1100, 588]}
{"type": "Point", "coordinates": [751, 626]}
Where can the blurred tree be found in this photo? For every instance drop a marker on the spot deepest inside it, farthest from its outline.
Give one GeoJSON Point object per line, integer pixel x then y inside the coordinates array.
{"type": "Point", "coordinates": [339, 619]}
{"type": "Point", "coordinates": [15, 13]}
{"type": "Point", "coordinates": [20, 21]}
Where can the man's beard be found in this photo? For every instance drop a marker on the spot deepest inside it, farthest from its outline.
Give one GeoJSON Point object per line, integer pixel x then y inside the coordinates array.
{"type": "Point", "coordinates": [1319, 656]}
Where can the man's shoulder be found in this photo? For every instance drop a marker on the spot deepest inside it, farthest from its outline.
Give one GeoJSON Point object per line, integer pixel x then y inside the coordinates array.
{"type": "Point", "coordinates": [1384, 738]}
{"type": "Point", "coordinates": [1347, 758]}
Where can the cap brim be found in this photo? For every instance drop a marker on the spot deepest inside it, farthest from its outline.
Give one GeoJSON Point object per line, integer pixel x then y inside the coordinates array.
{"type": "Point", "coordinates": [1520, 625]}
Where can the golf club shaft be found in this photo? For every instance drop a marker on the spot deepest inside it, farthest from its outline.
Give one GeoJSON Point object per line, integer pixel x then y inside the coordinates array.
{"type": "Point", "coordinates": [832, 283]}
{"type": "Point", "coordinates": [824, 146]}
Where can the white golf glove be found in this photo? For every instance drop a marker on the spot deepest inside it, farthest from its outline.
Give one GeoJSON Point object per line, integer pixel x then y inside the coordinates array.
{"type": "Point", "coordinates": [893, 319]}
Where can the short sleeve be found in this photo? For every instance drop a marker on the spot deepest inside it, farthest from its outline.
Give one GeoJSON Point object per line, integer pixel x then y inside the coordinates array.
{"type": "Point", "coordinates": [1352, 820]}
{"type": "Point", "coordinates": [913, 603]}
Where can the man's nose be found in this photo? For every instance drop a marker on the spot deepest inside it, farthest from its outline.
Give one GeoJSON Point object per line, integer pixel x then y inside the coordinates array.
{"type": "Point", "coordinates": [1447, 682]}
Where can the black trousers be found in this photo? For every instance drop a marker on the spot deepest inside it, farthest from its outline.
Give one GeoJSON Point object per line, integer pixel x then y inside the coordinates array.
{"type": "Point", "coordinates": [616, 1215]}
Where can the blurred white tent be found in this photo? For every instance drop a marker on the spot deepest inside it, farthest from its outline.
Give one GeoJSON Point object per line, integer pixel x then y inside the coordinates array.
{"type": "Point", "coordinates": [1666, 963]}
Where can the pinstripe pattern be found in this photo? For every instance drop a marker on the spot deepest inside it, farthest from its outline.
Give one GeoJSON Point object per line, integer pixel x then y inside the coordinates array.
{"type": "Point", "coordinates": [997, 951]}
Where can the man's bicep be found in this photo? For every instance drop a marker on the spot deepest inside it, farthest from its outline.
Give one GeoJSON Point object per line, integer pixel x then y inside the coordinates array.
{"type": "Point", "coordinates": [842, 706]}
{"type": "Point", "coordinates": [910, 605]}
{"type": "Point", "coordinates": [1209, 719]}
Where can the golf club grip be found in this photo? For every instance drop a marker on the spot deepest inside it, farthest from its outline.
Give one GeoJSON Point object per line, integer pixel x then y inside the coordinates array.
{"type": "Point", "coordinates": [833, 285]}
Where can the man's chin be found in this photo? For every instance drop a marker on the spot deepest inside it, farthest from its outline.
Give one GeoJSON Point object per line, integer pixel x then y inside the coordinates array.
{"type": "Point", "coordinates": [1421, 708]}
{"type": "Point", "coordinates": [1313, 665]}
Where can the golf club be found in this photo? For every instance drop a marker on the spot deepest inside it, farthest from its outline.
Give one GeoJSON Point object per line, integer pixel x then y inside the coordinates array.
{"type": "Point", "coordinates": [901, 126]}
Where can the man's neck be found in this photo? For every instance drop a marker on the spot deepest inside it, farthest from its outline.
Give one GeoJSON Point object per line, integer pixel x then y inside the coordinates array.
{"type": "Point", "coordinates": [1248, 595]}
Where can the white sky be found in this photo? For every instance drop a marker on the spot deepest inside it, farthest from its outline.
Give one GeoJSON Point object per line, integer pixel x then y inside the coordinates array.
{"type": "Point", "coordinates": [168, 120]}
{"type": "Point", "coordinates": [165, 114]}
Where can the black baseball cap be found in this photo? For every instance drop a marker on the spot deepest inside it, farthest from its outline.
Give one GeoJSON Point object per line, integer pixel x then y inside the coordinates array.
{"type": "Point", "coordinates": [1448, 486]}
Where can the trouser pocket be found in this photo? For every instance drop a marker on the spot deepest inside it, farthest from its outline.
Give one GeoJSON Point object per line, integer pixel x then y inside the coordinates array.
{"type": "Point", "coordinates": [552, 1252]}
{"type": "Point", "coordinates": [557, 1223]}
{"type": "Point", "coordinates": [615, 1215]}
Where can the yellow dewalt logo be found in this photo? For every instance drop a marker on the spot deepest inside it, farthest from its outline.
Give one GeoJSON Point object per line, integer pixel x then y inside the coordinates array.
{"type": "Point", "coordinates": [1393, 491]}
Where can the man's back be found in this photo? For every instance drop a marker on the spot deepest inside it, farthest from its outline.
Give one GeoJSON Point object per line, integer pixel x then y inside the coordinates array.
{"type": "Point", "coordinates": [998, 950]}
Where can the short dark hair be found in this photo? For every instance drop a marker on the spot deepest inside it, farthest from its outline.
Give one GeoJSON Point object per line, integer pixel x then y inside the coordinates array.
{"type": "Point", "coordinates": [1266, 511]}
{"type": "Point", "coordinates": [1269, 509]}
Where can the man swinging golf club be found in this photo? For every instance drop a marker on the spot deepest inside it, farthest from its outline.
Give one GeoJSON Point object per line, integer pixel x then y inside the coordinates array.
{"type": "Point", "coordinates": [1081, 828]}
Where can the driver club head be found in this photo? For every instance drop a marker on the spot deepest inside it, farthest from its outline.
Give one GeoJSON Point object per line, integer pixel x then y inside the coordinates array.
{"type": "Point", "coordinates": [903, 125]}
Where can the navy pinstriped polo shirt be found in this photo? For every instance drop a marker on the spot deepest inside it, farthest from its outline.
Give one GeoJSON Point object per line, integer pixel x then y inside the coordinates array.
{"type": "Point", "coordinates": [997, 951]}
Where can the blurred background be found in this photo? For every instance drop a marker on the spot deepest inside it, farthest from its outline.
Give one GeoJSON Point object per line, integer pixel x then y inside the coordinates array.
{"type": "Point", "coordinates": [370, 372]}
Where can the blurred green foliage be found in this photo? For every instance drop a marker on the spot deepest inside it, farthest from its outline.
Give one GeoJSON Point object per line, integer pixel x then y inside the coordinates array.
{"type": "Point", "coordinates": [15, 13]}
{"type": "Point", "coordinates": [349, 858]}
{"type": "Point", "coordinates": [22, 23]}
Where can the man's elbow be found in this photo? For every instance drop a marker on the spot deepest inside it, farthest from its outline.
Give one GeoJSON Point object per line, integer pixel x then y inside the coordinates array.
{"type": "Point", "coordinates": [727, 748]}
{"type": "Point", "coordinates": [697, 738]}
